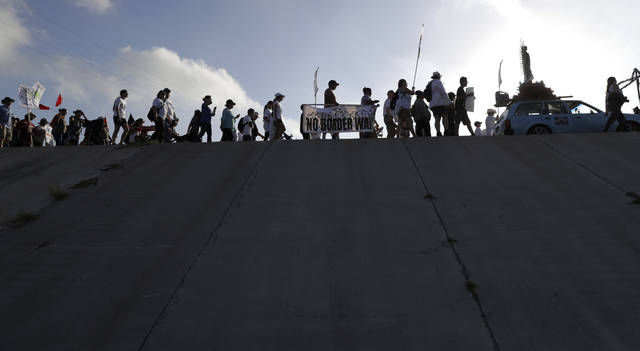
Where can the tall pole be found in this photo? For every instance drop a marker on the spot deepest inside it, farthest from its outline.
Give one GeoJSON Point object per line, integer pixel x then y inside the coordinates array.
{"type": "Point", "coordinates": [415, 74]}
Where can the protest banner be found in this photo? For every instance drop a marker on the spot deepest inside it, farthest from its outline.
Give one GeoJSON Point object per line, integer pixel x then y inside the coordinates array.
{"type": "Point", "coordinates": [470, 103]}
{"type": "Point", "coordinates": [338, 119]}
{"type": "Point", "coordinates": [30, 97]}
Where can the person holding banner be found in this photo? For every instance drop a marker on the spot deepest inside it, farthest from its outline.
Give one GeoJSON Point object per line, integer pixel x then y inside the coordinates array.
{"type": "Point", "coordinates": [330, 101]}
{"type": "Point", "coordinates": [6, 117]}
{"type": "Point", "coordinates": [366, 100]}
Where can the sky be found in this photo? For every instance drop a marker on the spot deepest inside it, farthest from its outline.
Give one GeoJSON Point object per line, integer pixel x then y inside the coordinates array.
{"type": "Point", "coordinates": [88, 50]}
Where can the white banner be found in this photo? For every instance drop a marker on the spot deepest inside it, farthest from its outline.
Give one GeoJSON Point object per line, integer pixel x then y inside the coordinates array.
{"type": "Point", "coordinates": [30, 97]}
{"type": "Point", "coordinates": [339, 119]}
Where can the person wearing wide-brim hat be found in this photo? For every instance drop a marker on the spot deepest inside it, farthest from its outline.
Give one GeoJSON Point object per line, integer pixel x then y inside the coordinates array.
{"type": "Point", "coordinates": [439, 101]}
{"type": "Point", "coordinates": [6, 115]}
{"type": "Point", "coordinates": [490, 122]}
{"type": "Point", "coordinates": [40, 132]}
{"type": "Point", "coordinates": [226, 121]}
{"type": "Point", "coordinates": [59, 125]}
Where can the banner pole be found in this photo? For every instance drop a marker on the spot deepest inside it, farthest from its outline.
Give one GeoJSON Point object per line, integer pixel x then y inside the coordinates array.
{"type": "Point", "coordinates": [415, 74]}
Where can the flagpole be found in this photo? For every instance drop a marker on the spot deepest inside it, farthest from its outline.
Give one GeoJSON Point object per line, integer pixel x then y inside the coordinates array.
{"type": "Point", "coordinates": [415, 74]}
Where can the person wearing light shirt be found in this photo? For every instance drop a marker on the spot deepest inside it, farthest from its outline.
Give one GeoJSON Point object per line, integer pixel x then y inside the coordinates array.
{"type": "Point", "coordinates": [170, 116]}
{"type": "Point", "coordinates": [267, 121]}
{"type": "Point", "coordinates": [277, 117]}
{"type": "Point", "coordinates": [247, 125]}
{"type": "Point", "coordinates": [439, 101]}
{"type": "Point", "coordinates": [490, 122]}
{"type": "Point", "coordinates": [226, 122]}
{"type": "Point", "coordinates": [403, 107]}
{"type": "Point", "coordinates": [6, 115]}
{"type": "Point", "coordinates": [120, 117]}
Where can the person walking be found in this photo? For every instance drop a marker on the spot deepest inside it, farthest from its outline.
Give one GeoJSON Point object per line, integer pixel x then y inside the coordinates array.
{"type": "Point", "coordinates": [226, 122]}
{"type": "Point", "coordinates": [120, 117]}
{"type": "Point", "coordinates": [461, 107]}
{"type": "Point", "coordinates": [439, 101]}
{"type": "Point", "coordinates": [277, 117]}
{"type": "Point", "coordinates": [267, 120]}
{"type": "Point", "coordinates": [421, 116]}
{"type": "Point", "coordinates": [451, 116]}
{"type": "Point", "coordinates": [403, 107]}
{"type": "Point", "coordinates": [366, 100]}
{"type": "Point", "coordinates": [158, 113]}
{"type": "Point", "coordinates": [389, 116]}
{"type": "Point", "coordinates": [331, 101]}
{"type": "Point", "coordinates": [205, 117]}
{"type": "Point", "coordinates": [59, 125]}
{"type": "Point", "coordinates": [614, 101]}
{"type": "Point", "coordinates": [170, 120]}
{"type": "Point", "coordinates": [490, 122]}
{"type": "Point", "coordinates": [6, 119]}
{"type": "Point", "coordinates": [245, 125]}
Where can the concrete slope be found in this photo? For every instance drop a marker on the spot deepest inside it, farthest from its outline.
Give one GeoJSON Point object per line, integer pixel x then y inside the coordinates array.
{"type": "Point", "coordinates": [522, 243]}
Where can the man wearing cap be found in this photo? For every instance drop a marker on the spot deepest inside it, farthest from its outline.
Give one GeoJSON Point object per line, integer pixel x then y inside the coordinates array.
{"type": "Point", "coordinates": [226, 122]}
{"type": "Point", "coordinates": [277, 117]}
{"type": "Point", "coordinates": [6, 115]}
{"type": "Point", "coordinates": [330, 101]}
{"type": "Point", "coordinates": [120, 117]}
{"type": "Point", "coordinates": [205, 117]}
{"type": "Point", "coordinates": [490, 122]}
{"type": "Point", "coordinates": [76, 122]}
{"type": "Point", "coordinates": [439, 101]}
{"type": "Point", "coordinates": [59, 125]}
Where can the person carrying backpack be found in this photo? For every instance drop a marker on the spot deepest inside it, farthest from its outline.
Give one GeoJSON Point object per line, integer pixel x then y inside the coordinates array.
{"type": "Point", "coordinates": [439, 101]}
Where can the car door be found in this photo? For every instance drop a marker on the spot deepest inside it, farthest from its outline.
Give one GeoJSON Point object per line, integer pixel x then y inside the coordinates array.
{"type": "Point", "coordinates": [556, 113]}
{"type": "Point", "coordinates": [586, 118]}
{"type": "Point", "coordinates": [527, 115]}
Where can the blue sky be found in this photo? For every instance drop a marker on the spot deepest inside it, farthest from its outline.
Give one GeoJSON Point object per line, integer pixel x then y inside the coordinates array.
{"type": "Point", "coordinates": [248, 50]}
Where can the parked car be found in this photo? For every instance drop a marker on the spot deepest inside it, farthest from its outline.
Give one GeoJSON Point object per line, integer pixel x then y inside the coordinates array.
{"type": "Point", "coordinates": [547, 116]}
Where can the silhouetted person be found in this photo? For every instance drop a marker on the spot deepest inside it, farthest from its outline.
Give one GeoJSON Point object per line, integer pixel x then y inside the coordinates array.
{"type": "Point", "coordinates": [76, 122]}
{"type": "Point", "coordinates": [389, 116]}
{"type": "Point", "coordinates": [267, 121]}
{"type": "Point", "coordinates": [366, 100]}
{"type": "Point", "coordinates": [421, 116]}
{"type": "Point", "coordinates": [158, 113]}
{"type": "Point", "coordinates": [439, 101]}
{"type": "Point", "coordinates": [170, 120]}
{"type": "Point", "coordinates": [277, 117]}
{"type": "Point", "coordinates": [614, 101]}
{"type": "Point", "coordinates": [226, 122]}
{"type": "Point", "coordinates": [25, 130]}
{"type": "Point", "coordinates": [305, 136]}
{"type": "Point", "coordinates": [461, 107]}
{"type": "Point", "coordinates": [6, 118]}
{"type": "Point", "coordinates": [205, 117]}
{"type": "Point", "coordinates": [246, 125]}
{"type": "Point", "coordinates": [59, 125]}
{"type": "Point", "coordinates": [478, 130]}
{"type": "Point", "coordinates": [330, 101]}
{"type": "Point", "coordinates": [120, 117]}
{"type": "Point", "coordinates": [450, 119]}
{"type": "Point", "coordinates": [403, 107]}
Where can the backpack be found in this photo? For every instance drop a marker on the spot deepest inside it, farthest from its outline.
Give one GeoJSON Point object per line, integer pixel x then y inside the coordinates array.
{"type": "Point", "coordinates": [151, 115]}
{"type": "Point", "coordinates": [428, 92]}
{"type": "Point", "coordinates": [241, 125]}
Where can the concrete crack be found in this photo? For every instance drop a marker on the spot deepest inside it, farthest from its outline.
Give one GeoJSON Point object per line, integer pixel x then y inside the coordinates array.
{"type": "Point", "coordinates": [470, 285]}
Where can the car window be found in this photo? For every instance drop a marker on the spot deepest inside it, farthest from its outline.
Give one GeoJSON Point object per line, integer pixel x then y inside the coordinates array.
{"type": "Point", "coordinates": [555, 108]}
{"type": "Point", "coordinates": [529, 109]}
{"type": "Point", "coordinates": [579, 107]}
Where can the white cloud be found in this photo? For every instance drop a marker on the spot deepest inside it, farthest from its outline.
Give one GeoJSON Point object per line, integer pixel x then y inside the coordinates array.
{"type": "Point", "coordinates": [96, 6]}
{"type": "Point", "coordinates": [14, 34]}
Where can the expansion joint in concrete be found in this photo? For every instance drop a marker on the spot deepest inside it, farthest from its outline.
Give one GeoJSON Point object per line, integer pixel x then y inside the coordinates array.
{"type": "Point", "coordinates": [211, 240]}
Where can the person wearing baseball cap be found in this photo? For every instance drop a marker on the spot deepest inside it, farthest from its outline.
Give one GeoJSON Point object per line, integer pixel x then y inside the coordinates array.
{"type": "Point", "coordinates": [277, 117]}
{"type": "Point", "coordinates": [330, 101]}
{"type": "Point", "coordinates": [6, 115]}
{"type": "Point", "coordinates": [226, 122]}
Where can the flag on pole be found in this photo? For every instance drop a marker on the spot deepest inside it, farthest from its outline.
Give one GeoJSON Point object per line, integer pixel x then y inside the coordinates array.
{"type": "Point", "coordinates": [59, 101]}
{"type": "Point", "coordinates": [315, 82]}
{"type": "Point", "coordinates": [44, 108]}
{"type": "Point", "coordinates": [500, 75]}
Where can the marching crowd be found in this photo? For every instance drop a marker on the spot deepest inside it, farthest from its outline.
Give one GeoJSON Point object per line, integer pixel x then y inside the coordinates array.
{"type": "Point", "coordinates": [403, 118]}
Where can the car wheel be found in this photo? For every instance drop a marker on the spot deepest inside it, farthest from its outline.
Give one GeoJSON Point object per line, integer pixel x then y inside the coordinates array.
{"type": "Point", "coordinates": [632, 126]}
{"type": "Point", "coordinates": [539, 130]}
